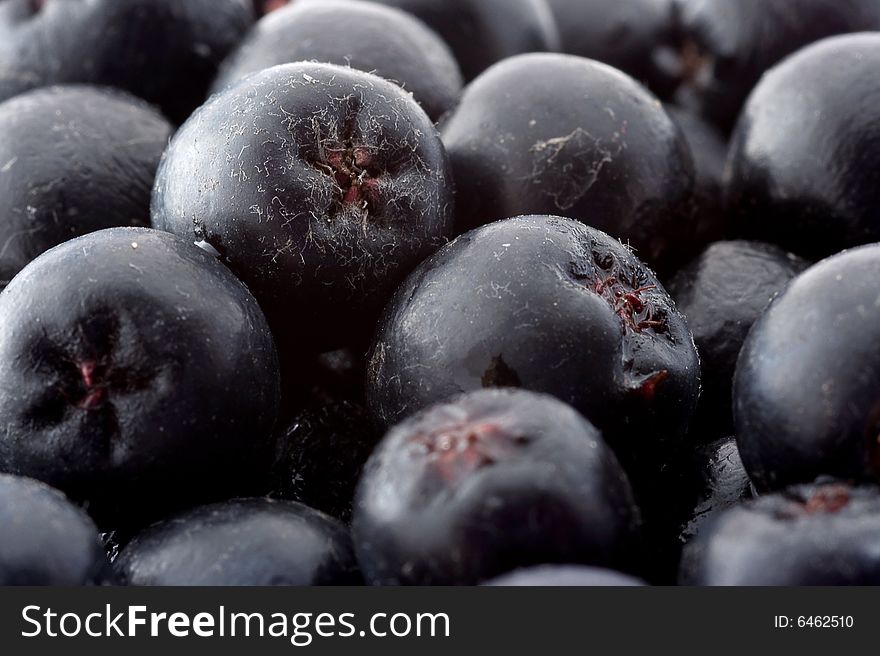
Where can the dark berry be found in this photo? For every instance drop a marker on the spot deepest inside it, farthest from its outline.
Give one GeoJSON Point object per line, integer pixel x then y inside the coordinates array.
{"type": "Point", "coordinates": [56, 181]}
{"type": "Point", "coordinates": [564, 135]}
{"type": "Point", "coordinates": [707, 481]}
{"type": "Point", "coordinates": [822, 534]}
{"type": "Point", "coordinates": [491, 481]}
{"type": "Point", "coordinates": [708, 148]}
{"type": "Point", "coordinates": [165, 51]}
{"type": "Point", "coordinates": [565, 576]}
{"type": "Point", "coordinates": [804, 168]}
{"type": "Point", "coordinates": [626, 34]}
{"type": "Point", "coordinates": [807, 392]}
{"type": "Point", "coordinates": [482, 32]}
{"type": "Point", "coordinates": [725, 46]}
{"type": "Point", "coordinates": [549, 305]}
{"type": "Point", "coordinates": [46, 540]}
{"type": "Point", "coordinates": [137, 374]}
{"type": "Point", "coordinates": [248, 542]}
{"type": "Point", "coordinates": [722, 293]}
{"type": "Point", "coordinates": [701, 480]}
{"type": "Point", "coordinates": [366, 36]}
{"type": "Point", "coordinates": [320, 186]}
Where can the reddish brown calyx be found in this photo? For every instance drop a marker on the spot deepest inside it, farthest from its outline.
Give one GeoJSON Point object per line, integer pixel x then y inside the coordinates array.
{"type": "Point", "coordinates": [693, 61]}
{"type": "Point", "coordinates": [353, 170]}
{"type": "Point", "coordinates": [461, 449]}
{"type": "Point", "coordinates": [94, 393]}
{"type": "Point", "coordinates": [630, 303]}
{"type": "Point", "coordinates": [634, 310]}
{"type": "Point", "coordinates": [827, 499]}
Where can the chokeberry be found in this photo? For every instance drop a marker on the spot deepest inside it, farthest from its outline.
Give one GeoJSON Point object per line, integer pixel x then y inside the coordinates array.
{"type": "Point", "coordinates": [56, 177]}
{"type": "Point", "coordinates": [549, 305]}
{"type": "Point", "coordinates": [482, 32]}
{"type": "Point", "coordinates": [806, 390]}
{"type": "Point", "coordinates": [486, 483]}
{"type": "Point", "coordinates": [365, 36]}
{"type": "Point", "coordinates": [46, 540]}
{"type": "Point", "coordinates": [247, 542]}
{"type": "Point", "coordinates": [165, 51]}
{"type": "Point", "coordinates": [722, 293]}
{"type": "Point", "coordinates": [804, 167]}
{"type": "Point", "coordinates": [564, 576]}
{"type": "Point", "coordinates": [820, 534]}
{"type": "Point", "coordinates": [722, 48]}
{"type": "Point", "coordinates": [568, 136]}
{"type": "Point", "coordinates": [319, 185]}
{"type": "Point", "coordinates": [137, 374]}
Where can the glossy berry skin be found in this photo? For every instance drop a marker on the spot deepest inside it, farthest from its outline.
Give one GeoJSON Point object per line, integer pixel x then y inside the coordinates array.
{"type": "Point", "coordinates": [628, 35]}
{"type": "Point", "coordinates": [47, 540]}
{"type": "Point", "coordinates": [320, 186]}
{"type": "Point", "coordinates": [556, 576]}
{"type": "Point", "coordinates": [123, 359]}
{"type": "Point", "coordinates": [563, 135]}
{"type": "Point", "coordinates": [804, 160]}
{"type": "Point", "coordinates": [708, 480]}
{"type": "Point", "coordinates": [819, 534]}
{"type": "Point", "coordinates": [549, 305]}
{"type": "Point", "coordinates": [55, 181]}
{"type": "Point", "coordinates": [247, 542]}
{"type": "Point", "coordinates": [806, 392]}
{"type": "Point", "coordinates": [724, 47]}
{"type": "Point", "coordinates": [483, 32]}
{"type": "Point", "coordinates": [368, 37]}
{"type": "Point", "coordinates": [708, 148]}
{"type": "Point", "coordinates": [165, 51]}
{"type": "Point", "coordinates": [701, 480]}
{"type": "Point", "coordinates": [486, 483]}
{"type": "Point", "coordinates": [722, 293]}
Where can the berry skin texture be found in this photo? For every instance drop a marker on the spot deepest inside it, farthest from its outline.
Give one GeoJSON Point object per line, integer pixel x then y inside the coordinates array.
{"type": "Point", "coordinates": [247, 542]}
{"type": "Point", "coordinates": [708, 148]}
{"type": "Point", "coordinates": [165, 51]}
{"type": "Point", "coordinates": [486, 483]}
{"type": "Point", "coordinates": [550, 305]}
{"type": "Point", "coordinates": [568, 136]}
{"type": "Point", "coordinates": [320, 186]}
{"type": "Point", "coordinates": [124, 358]}
{"type": "Point", "coordinates": [702, 480]}
{"type": "Point", "coordinates": [710, 479]}
{"type": "Point", "coordinates": [483, 32]}
{"type": "Point", "coordinates": [818, 534]}
{"type": "Point", "coordinates": [627, 35]}
{"type": "Point", "coordinates": [724, 47]}
{"type": "Point", "coordinates": [804, 161]}
{"type": "Point", "coordinates": [47, 540]}
{"type": "Point", "coordinates": [556, 576]}
{"type": "Point", "coordinates": [722, 293]}
{"type": "Point", "coordinates": [368, 37]}
{"type": "Point", "coordinates": [806, 391]}
{"type": "Point", "coordinates": [55, 182]}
